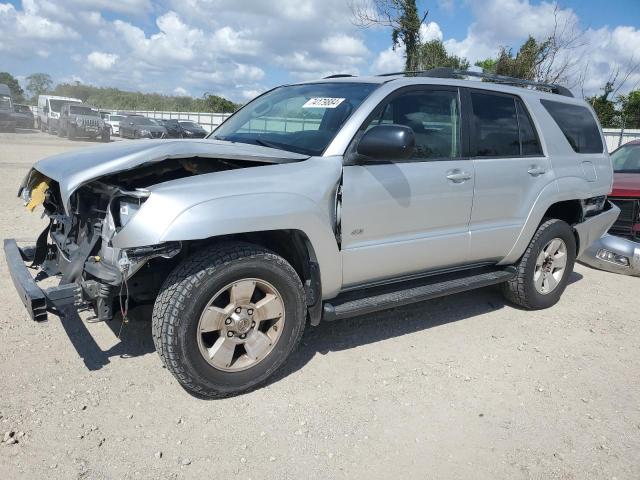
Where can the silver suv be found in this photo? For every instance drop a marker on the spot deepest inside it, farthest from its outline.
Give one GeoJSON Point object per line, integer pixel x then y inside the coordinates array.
{"type": "Point", "coordinates": [320, 201]}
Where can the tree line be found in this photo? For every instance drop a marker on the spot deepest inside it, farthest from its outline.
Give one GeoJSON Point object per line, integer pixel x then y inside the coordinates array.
{"type": "Point", "coordinates": [109, 98]}
{"type": "Point", "coordinates": [553, 59]}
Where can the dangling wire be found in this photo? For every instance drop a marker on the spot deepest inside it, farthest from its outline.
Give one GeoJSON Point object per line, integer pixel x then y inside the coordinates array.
{"type": "Point", "coordinates": [124, 308]}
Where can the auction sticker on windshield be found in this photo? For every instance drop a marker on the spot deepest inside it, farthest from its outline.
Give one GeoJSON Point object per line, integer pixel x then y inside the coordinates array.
{"type": "Point", "coordinates": [323, 102]}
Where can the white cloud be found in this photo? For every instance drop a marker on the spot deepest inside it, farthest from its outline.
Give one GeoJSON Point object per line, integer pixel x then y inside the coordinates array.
{"type": "Point", "coordinates": [344, 45]}
{"type": "Point", "coordinates": [430, 31]}
{"type": "Point", "coordinates": [181, 91]}
{"type": "Point", "coordinates": [101, 60]}
{"type": "Point", "coordinates": [388, 61]}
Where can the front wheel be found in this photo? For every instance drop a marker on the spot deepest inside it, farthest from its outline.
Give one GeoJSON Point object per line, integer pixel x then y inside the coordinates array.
{"type": "Point", "coordinates": [544, 270]}
{"type": "Point", "coordinates": [227, 318]}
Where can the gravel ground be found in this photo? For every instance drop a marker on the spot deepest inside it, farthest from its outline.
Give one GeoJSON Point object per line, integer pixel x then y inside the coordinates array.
{"type": "Point", "coordinates": [465, 387]}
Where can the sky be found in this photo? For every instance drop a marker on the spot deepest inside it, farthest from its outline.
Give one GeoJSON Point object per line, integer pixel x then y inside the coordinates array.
{"type": "Point", "coordinates": [240, 48]}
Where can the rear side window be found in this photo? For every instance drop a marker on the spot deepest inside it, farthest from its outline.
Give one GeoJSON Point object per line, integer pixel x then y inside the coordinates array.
{"type": "Point", "coordinates": [577, 124]}
{"type": "Point", "coordinates": [495, 124]}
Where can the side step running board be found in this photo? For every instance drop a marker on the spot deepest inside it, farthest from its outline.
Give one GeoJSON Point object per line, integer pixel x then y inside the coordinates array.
{"type": "Point", "coordinates": [370, 300]}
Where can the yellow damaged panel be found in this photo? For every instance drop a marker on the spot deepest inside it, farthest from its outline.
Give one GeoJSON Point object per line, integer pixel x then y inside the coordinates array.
{"type": "Point", "coordinates": [38, 195]}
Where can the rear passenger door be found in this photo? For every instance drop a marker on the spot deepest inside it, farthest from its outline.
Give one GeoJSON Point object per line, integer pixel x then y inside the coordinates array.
{"type": "Point", "coordinates": [510, 171]}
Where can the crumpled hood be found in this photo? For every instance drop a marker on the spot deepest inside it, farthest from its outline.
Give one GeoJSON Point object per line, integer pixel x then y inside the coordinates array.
{"type": "Point", "coordinates": [75, 168]}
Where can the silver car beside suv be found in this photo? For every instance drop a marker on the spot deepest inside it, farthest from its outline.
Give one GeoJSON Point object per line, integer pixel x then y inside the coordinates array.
{"type": "Point", "coordinates": [320, 201]}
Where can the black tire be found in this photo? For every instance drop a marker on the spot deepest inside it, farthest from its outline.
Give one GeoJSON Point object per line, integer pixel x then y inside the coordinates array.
{"type": "Point", "coordinates": [521, 290]}
{"type": "Point", "coordinates": [60, 132]}
{"type": "Point", "coordinates": [71, 132]}
{"type": "Point", "coordinates": [105, 136]}
{"type": "Point", "coordinates": [186, 293]}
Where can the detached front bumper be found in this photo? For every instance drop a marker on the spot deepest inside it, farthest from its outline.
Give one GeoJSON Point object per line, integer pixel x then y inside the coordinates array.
{"type": "Point", "coordinates": [620, 248]}
{"type": "Point", "coordinates": [37, 301]}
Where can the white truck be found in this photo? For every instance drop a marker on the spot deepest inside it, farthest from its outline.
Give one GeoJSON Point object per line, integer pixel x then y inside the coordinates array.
{"type": "Point", "coordinates": [49, 111]}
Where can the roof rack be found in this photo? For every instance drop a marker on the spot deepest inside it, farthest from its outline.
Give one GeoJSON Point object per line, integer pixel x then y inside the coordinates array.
{"type": "Point", "coordinates": [339, 75]}
{"type": "Point", "coordinates": [444, 72]}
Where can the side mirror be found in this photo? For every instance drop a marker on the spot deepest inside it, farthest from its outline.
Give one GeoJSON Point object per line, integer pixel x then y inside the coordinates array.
{"type": "Point", "coordinates": [387, 142]}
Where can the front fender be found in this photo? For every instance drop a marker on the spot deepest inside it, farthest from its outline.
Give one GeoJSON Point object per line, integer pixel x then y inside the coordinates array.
{"type": "Point", "coordinates": [161, 221]}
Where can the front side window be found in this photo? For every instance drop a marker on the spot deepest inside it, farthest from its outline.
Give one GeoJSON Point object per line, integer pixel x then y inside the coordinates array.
{"type": "Point", "coordinates": [495, 126]}
{"type": "Point", "coordinates": [297, 118]}
{"type": "Point", "coordinates": [577, 124]}
{"type": "Point", "coordinates": [434, 117]}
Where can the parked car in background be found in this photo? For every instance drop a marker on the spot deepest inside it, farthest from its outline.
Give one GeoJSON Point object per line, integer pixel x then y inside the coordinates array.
{"type": "Point", "coordinates": [7, 120]}
{"type": "Point", "coordinates": [80, 120]}
{"type": "Point", "coordinates": [23, 116]}
{"type": "Point", "coordinates": [49, 111]}
{"type": "Point", "coordinates": [409, 188]}
{"type": "Point", "coordinates": [619, 250]}
{"type": "Point", "coordinates": [174, 130]}
{"type": "Point", "coordinates": [141, 127]}
{"type": "Point", "coordinates": [191, 129]}
{"type": "Point", "coordinates": [113, 121]}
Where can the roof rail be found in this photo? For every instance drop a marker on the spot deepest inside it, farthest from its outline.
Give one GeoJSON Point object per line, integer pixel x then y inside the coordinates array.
{"type": "Point", "coordinates": [339, 75]}
{"type": "Point", "coordinates": [445, 72]}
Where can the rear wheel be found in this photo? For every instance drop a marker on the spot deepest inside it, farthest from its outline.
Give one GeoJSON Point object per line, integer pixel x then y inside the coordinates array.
{"type": "Point", "coordinates": [71, 132]}
{"type": "Point", "coordinates": [545, 267]}
{"type": "Point", "coordinates": [227, 318]}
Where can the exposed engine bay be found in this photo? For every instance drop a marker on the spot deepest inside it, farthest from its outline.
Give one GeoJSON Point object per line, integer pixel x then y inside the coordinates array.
{"type": "Point", "coordinates": [76, 245]}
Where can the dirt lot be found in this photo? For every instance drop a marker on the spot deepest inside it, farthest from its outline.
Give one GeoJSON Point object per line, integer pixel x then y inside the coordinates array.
{"type": "Point", "coordinates": [465, 387]}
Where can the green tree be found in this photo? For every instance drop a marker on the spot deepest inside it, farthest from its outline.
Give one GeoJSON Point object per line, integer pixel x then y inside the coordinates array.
{"type": "Point", "coordinates": [38, 83]}
{"type": "Point", "coordinates": [14, 87]}
{"type": "Point", "coordinates": [116, 99]}
{"type": "Point", "coordinates": [488, 65]}
{"type": "Point", "coordinates": [433, 54]}
{"type": "Point", "coordinates": [630, 109]}
{"type": "Point", "coordinates": [605, 108]}
{"type": "Point", "coordinates": [526, 63]}
{"type": "Point", "coordinates": [402, 16]}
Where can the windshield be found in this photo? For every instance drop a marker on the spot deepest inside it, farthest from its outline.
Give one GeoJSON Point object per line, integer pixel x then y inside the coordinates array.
{"type": "Point", "coordinates": [80, 110]}
{"type": "Point", "coordinates": [626, 159]}
{"type": "Point", "coordinates": [5, 103]}
{"type": "Point", "coordinates": [190, 125]}
{"type": "Point", "coordinates": [55, 105]}
{"type": "Point", "coordinates": [298, 118]}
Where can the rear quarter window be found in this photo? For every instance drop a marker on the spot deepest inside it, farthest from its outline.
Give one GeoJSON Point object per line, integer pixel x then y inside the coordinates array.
{"type": "Point", "coordinates": [577, 124]}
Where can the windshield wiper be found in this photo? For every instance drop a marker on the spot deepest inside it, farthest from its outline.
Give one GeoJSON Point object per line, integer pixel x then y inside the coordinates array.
{"type": "Point", "coordinates": [267, 144]}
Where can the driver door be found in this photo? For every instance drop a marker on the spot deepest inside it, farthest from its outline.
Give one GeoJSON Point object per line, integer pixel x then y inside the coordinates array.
{"type": "Point", "coordinates": [402, 217]}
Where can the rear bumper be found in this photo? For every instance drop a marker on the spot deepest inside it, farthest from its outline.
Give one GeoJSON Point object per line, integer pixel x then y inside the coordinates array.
{"type": "Point", "coordinates": [594, 227]}
{"type": "Point", "coordinates": [36, 300]}
{"type": "Point", "coordinates": [619, 246]}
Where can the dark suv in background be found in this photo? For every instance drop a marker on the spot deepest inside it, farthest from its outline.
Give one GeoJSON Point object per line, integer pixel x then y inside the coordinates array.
{"type": "Point", "coordinates": [78, 120]}
{"type": "Point", "coordinates": [23, 116]}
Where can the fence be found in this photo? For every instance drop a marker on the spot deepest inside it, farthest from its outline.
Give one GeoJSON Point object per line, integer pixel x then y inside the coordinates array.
{"type": "Point", "coordinates": [208, 120]}
{"type": "Point", "coordinates": [616, 137]}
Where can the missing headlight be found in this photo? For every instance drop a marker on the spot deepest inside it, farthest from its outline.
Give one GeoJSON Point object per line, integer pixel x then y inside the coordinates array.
{"type": "Point", "coordinates": [126, 207]}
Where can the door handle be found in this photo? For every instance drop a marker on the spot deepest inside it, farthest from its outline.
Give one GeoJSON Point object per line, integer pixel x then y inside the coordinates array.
{"type": "Point", "coordinates": [458, 176]}
{"type": "Point", "coordinates": [536, 171]}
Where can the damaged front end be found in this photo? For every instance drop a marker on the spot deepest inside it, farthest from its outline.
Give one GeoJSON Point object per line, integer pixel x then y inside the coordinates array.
{"type": "Point", "coordinates": [76, 247]}
{"type": "Point", "coordinates": [90, 197]}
